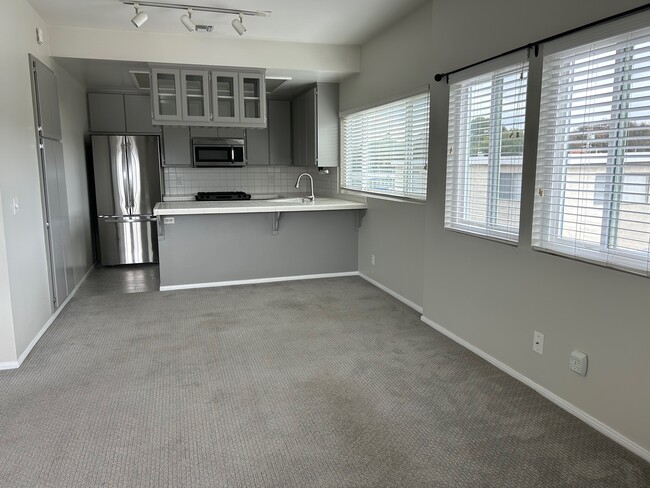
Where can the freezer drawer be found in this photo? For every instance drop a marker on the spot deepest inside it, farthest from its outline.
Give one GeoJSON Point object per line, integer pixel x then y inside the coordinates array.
{"type": "Point", "coordinates": [128, 240]}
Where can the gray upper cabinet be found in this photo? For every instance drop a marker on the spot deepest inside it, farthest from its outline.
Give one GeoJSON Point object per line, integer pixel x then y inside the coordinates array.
{"type": "Point", "coordinates": [166, 93]}
{"type": "Point", "coordinates": [176, 146]}
{"type": "Point", "coordinates": [117, 113]}
{"type": "Point", "coordinates": [137, 109]}
{"type": "Point", "coordinates": [204, 132]}
{"type": "Point", "coordinates": [47, 103]}
{"type": "Point", "coordinates": [106, 112]}
{"type": "Point", "coordinates": [315, 126]}
{"type": "Point", "coordinates": [195, 96]}
{"type": "Point", "coordinates": [257, 147]}
{"type": "Point", "coordinates": [279, 113]}
{"type": "Point", "coordinates": [252, 96]}
{"type": "Point", "coordinates": [273, 144]}
{"type": "Point", "coordinates": [206, 96]}
{"type": "Point", "coordinates": [225, 97]}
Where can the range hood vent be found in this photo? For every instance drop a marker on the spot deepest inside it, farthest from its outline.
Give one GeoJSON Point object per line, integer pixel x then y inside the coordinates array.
{"type": "Point", "coordinates": [141, 79]}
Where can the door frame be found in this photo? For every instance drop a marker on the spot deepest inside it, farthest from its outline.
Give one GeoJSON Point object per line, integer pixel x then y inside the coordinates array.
{"type": "Point", "coordinates": [47, 237]}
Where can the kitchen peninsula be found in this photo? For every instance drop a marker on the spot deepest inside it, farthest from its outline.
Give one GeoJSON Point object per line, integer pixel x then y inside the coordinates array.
{"type": "Point", "coordinates": [222, 243]}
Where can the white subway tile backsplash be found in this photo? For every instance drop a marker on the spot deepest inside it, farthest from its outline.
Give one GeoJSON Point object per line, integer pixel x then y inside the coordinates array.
{"type": "Point", "coordinates": [278, 180]}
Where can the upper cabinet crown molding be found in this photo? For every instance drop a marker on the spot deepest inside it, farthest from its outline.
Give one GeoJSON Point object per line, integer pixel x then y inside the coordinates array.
{"type": "Point", "coordinates": [208, 96]}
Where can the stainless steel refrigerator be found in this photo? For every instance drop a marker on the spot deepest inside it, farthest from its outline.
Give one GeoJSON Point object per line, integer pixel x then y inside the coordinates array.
{"type": "Point", "coordinates": [127, 186]}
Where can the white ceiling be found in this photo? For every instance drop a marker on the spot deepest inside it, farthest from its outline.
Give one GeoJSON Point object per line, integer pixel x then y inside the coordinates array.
{"type": "Point", "coordinates": [311, 21]}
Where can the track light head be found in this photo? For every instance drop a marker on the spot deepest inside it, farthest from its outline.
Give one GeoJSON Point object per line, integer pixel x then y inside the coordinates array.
{"type": "Point", "coordinates": [187, 21]}
{"type": "Point", "coordinates": [140, 17]}
{"type": "Point", "coordinates": [238, 25]}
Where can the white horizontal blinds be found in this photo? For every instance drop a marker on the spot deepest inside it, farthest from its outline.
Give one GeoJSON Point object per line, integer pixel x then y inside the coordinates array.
{"type": "Point", "coordinates": [593, 163]}
{"type": "Point", "coordinates": [485, 153]}
{"type": "Point", "coordinates": [384, 149]}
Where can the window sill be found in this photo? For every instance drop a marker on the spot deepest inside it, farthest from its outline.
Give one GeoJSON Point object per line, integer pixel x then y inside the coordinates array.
{"type": "Point", "coordinates": [495, 236]}
{"type": "Point", "coordinates": [366, 195]}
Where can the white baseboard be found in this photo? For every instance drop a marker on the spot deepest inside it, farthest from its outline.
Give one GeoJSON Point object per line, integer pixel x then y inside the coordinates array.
{"type": "Point", "coordinates": [405, 301]}
{"type": "Point", "coordinates": [51, 320]}
{"type": "Point", "coordinates": [9, 365]}
{"type": "Point", "coordinates": [559, 401]}
{"type": "Point", "coordinates": [257, 281]}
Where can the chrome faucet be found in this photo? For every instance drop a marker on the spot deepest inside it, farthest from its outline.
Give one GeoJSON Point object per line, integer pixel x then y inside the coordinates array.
{"type": "Point", "coordinates": [310, 197]}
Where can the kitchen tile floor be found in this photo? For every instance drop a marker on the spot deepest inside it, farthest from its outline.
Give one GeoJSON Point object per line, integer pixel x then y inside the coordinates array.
{"type": "Point", "coordinates": [120, 279]}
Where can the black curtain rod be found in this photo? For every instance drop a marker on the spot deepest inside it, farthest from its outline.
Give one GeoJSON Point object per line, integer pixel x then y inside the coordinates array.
{"type": "Point", "coordinates": [535, 45]}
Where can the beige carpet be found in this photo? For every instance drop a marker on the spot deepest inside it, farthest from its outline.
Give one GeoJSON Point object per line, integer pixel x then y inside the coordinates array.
{"type": "Point", "coordinates": [328, 383]}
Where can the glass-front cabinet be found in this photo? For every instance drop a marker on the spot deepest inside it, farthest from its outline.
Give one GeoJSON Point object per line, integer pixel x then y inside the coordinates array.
{"type": "Point", "coordinates": [253, 98]}
{"type": "Point", "coordinates": [195, 92]}
{"type": "Point", "coordinates": [225, 96]}
{"type": "Point", "coordinates": [166, 97]}
{"type": "Point", "coordinates": [208, 97]}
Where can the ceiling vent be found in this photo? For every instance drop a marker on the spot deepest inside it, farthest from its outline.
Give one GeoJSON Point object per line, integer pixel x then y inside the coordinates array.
{"type": "Point", "coordinates": [141, 79]}
{"type": "Point", "coordinates": [273, 83]}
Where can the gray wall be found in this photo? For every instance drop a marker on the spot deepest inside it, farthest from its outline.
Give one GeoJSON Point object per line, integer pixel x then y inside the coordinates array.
{"type": "Point", "coordinates": [24, 284]}
{"type": "Point", "coordinates": [490, 294]}
{"type": "Point", "coordinates": [494, 296]}
{"type": "Point", "coordinates": [392, 63]}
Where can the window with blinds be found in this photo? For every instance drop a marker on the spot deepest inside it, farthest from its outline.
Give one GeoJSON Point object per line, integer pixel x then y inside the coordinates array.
{"type": "Point", "coordinates": [485, 153]}
{"type": "Point", "coordinates": [385, 149]}
{"type": "Point", "coordinates": [593, 163]}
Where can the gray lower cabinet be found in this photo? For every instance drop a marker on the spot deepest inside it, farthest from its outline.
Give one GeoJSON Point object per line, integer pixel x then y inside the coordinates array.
{"type": "Point", "coordinates": [119, 113]}
{"type": "Point", "coordinates": [176, 146]}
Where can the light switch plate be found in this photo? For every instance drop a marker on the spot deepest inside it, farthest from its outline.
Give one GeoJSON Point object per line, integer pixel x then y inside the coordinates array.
{"type": "Point", "coordinates": [538, 342]}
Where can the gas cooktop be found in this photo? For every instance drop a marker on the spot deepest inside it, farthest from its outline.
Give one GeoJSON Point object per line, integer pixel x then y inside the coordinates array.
{"type": "Point", "coordinates": [222, 195]}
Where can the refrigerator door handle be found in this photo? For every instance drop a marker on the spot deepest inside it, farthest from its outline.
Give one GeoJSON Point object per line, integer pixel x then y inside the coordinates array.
{"type": "Point", "coordinates": [129, 169]}
{"type": "Point", "coordinates": [126, 179]}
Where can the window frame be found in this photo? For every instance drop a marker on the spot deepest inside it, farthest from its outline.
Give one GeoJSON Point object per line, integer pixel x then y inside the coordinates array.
{"type": "Point", "coordinates": [605, 252]}
{"type": "Point", "coordinates": [408, 197]}
{"type": "Point", "coordinates": [492, 230]}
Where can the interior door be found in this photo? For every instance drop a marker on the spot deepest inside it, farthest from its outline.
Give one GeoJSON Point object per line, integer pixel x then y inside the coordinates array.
{"type": "Point", "coordinates": [53, 184]}
{"type": "Point", "coordinates": [56, 217]}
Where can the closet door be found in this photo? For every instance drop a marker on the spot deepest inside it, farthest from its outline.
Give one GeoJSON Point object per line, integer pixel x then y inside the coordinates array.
{"type": "Point", "coordinates": [53, 183]}
{"type": "Point", "coordinates": [57, 222]}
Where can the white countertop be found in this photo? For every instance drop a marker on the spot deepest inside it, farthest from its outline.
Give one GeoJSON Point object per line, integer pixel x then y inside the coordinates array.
{"type": "Point", "coordinates": [253, 206]}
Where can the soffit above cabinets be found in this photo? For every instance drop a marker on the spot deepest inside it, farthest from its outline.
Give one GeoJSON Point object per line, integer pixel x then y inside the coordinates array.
{"type": "Point", "coordinates": [340, 22]}
{"type": "Point", "coordinates": [120, 76]}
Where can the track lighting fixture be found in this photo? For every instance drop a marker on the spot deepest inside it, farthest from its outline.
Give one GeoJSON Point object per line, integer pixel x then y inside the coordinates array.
{"type": "Point", "coordinates": [187, 21]}
{"type": "Point", "coordinates": [238, 25]}
{"type": "Point", "coordinates": [140, 17]}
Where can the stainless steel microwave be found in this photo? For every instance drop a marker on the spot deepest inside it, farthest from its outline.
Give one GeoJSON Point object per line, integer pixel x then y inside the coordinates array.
{"type": "Point", "coordinates": [218, 151]}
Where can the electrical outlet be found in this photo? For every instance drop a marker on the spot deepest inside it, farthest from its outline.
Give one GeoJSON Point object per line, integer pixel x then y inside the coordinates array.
{"type": "Point", "coordinates": [372, 259]}
{"type": "Point", "coordinates": [15, 208]}
{"type": "Point", "coordinates": [578, 362]}
{"type": "Point", "coordinates": [179, 180]}
{"type": "Point", "coordinates": [168, 220]}
{"type": "Point", "coordinates": [538, 342]}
